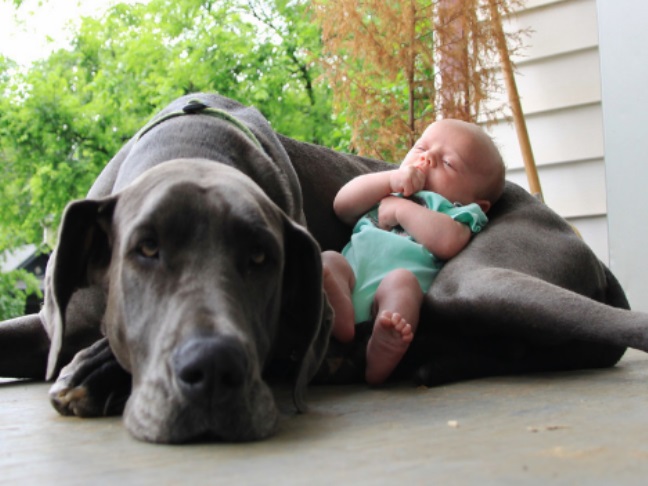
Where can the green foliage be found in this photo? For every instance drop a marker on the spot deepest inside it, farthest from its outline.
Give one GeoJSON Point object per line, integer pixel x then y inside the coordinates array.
{"type": "Point", "coordinates": [14, 288]}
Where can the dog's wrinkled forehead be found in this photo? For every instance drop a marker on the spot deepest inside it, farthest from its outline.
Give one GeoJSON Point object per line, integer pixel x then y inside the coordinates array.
{"type": "Point", "coordinates": [183, 193]}
{"type": "Point", "coordinates": [204, 173]}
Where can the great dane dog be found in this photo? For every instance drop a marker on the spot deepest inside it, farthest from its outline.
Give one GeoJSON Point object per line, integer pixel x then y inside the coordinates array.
{"type": "Point", "coordinates": [188, 280]}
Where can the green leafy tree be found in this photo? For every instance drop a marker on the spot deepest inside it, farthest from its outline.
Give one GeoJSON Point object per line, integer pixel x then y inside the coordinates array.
{"type": "Point", "coordinates": [15, 287]}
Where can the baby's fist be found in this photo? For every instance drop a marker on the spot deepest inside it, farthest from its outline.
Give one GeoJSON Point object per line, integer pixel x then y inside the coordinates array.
{"type": "Point", "coordinates": [408, 179]}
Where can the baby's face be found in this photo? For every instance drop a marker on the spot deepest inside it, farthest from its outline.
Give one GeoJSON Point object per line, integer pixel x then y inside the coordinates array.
{"type": "Point", "coordinates": [451, 153]}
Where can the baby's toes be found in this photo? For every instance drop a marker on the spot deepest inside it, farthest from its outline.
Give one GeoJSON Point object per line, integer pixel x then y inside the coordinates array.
{"type": "Point", "coordinates": [406, 330]}
{"type": "Point", "coordinates": [398, 322]}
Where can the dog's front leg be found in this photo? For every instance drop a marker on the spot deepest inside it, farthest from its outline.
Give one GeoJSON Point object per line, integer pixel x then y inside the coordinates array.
{"type": "Point", "coordinates": [23, 347]}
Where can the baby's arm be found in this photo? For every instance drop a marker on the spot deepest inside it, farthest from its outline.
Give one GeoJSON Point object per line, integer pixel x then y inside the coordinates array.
{"type": "Point", "coordinates": [362, 193]}
{"type": "Point", "coordinates": [439, 233]}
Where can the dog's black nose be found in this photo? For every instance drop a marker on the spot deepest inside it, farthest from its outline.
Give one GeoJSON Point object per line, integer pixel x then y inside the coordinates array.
{"type": "Point", "coordinates": [210, 368]}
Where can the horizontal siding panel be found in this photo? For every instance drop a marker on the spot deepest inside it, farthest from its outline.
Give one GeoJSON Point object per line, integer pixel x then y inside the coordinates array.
{"type": "Point", "coordinates": [572, 190]}
{"type": "Point", "coordinates": [556, 82]}
{"type": "Point", "coordinates": [557, 28]}
{"type": "Point", "coordinates": [556, 137]}
{"type": "Point", "coordinates": [558, 78]}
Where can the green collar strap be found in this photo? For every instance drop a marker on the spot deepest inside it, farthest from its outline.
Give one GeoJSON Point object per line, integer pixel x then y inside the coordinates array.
{"type": "Point", "coordinates": [197, 107]}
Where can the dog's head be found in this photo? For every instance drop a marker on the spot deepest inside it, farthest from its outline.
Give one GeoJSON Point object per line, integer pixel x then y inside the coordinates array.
{"type": "Point", "coordinates": [207, 282]}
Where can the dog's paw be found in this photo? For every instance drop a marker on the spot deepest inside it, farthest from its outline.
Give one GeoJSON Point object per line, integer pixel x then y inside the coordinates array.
{"type": "Point", "coordinates": [69, 400]}
{"type": "Point", "coordinates": [92, 385]}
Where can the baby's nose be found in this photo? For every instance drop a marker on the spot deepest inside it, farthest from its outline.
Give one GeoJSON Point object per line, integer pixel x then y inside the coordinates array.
{"type": "Point", "coordinates": [428, 159]}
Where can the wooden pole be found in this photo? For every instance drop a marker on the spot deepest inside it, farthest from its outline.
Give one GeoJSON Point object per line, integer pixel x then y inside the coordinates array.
{"type": "Point", "coordinates": [514, 100]}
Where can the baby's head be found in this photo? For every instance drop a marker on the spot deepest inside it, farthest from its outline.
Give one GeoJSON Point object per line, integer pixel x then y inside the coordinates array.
{"type": "Point", "coordinates": [461, 163]}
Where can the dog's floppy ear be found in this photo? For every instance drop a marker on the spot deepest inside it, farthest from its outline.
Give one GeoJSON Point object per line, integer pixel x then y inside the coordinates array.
{"type": "Point", "coordinates": [82, 253]}
{"type": "Point", "coordinates": [305, 310]}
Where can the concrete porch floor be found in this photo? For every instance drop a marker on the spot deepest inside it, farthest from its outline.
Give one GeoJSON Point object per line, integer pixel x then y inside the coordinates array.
{"type": "Point", "coordinates": [587, 427]}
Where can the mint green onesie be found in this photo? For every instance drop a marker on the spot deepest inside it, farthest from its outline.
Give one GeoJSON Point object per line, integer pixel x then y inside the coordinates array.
{"type": "Point", "coordinates": [373, 252]}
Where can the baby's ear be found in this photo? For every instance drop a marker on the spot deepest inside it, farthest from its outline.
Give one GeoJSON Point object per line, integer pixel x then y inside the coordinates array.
{"type": "Point", "coordinates": [484, 204]}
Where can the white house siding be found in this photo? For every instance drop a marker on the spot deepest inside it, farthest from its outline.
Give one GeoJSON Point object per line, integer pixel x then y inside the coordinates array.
{"type": "Point", "coordinates": [558, 77]}
{"type": "Point", "coordinates": [623, 34]}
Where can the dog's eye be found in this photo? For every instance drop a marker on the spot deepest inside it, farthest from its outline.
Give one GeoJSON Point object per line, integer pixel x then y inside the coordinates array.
{"type": "Point", "coordinates": [148, 248]}
{"type": "Point", "coordinates": [258, 257]}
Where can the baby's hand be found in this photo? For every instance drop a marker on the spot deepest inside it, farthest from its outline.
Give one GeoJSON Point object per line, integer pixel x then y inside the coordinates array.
{"type": "Point", "coordinates": [409, 179]}
{"type": "Point", "coordinates": [387, 212]}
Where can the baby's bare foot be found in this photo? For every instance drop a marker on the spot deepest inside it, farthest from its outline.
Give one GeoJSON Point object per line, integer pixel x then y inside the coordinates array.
{"type": "Point", "coordinates": [389, 341]}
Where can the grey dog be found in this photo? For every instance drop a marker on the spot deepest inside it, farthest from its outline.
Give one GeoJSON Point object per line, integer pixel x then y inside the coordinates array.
{"type": "Point", "coordinates": [187, 280]}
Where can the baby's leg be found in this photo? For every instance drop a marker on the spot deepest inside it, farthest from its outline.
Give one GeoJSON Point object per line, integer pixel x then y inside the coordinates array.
{"type": "Point", "coordinates": [338, 285]}
{"type": "Point", "coordinates": [398, 300]}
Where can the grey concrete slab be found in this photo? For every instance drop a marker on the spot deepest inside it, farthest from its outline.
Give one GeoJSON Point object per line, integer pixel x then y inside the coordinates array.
{"type": "Point", "coordinates": [588, 427]}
